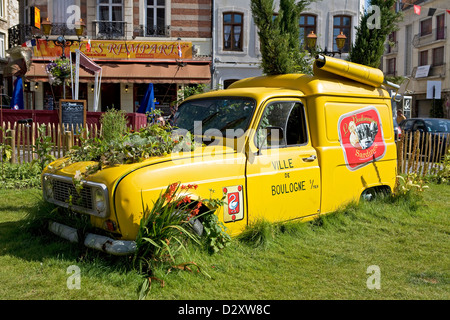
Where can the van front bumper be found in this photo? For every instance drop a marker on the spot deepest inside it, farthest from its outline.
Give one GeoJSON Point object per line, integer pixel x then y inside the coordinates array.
{"type": "Point", "coordinates": [94, 241]}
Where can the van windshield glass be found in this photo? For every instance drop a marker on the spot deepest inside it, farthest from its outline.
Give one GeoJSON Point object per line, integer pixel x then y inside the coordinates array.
{"type": "Point", "coordinates": [199, 116]}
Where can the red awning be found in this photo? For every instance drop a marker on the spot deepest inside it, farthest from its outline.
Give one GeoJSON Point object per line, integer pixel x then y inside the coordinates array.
{"type": "Point", "coordinates": [88, 65]}
{"type": "Point", "coordinates": [136, 73]}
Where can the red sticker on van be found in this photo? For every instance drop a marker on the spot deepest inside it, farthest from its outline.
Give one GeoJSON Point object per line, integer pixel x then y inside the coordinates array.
{"type": "Point", "coordinates": [233, 203]}
{"type": "Point", "coordinates": [361, 137]}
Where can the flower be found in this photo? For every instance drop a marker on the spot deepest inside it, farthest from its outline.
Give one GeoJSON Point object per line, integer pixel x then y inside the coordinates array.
{"type": "Point", "coordinates": [59, 71]}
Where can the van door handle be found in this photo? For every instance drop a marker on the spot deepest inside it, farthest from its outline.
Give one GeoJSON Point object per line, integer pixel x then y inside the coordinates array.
{"type": "Point", "coordinates": [310, 158]}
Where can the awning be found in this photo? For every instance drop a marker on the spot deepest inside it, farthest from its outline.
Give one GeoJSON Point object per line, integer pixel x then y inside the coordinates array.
{"type": "Point", "coordinates": [136, 73]}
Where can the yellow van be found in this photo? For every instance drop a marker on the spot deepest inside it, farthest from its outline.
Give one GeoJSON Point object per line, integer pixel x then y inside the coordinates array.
{"type": "Point", "coordinates": [275, 147]}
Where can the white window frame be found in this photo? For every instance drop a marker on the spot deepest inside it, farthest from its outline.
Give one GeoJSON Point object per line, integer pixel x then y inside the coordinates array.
{"type": "Point", "coordinates": [155, 8]}
{"type": "Point", "coordinates": [110, 5]}
{"type": "Point", "coordinates": [2, 9]}
{"type": "Point", "coordinates": [2, 46]}
{"type": "Point", "coordinates": [246, 16]}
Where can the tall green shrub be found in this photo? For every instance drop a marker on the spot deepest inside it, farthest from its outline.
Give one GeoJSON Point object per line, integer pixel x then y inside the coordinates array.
{"type": "Point", "coordinates": [279, 36]}
{"type": "Point", "coordinates": [372, 31]}
{"type": "Point", "coordinates": [114, 125]}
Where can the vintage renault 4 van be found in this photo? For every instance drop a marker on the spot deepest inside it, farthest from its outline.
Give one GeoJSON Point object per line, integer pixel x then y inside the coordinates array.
{"type": "Point", "coordinates": [275, 147]}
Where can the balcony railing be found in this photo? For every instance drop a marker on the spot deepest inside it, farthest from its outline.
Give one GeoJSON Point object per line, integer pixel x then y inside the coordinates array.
{"type": "Point", "coordinates": [435, 71]}
{"type": "Point", "coordinates": [20, 33]}
{"type": "Point", "coordinates": [435, 35]}
{"type": "Point", "coordinates": [109, 29]}
{"type": "Point", "coordinates": [391, 48]}
{"type": "Point", "coordinates": [152, 31]}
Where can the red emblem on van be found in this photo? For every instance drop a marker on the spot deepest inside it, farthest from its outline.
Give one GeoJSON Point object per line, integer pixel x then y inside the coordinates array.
{"type": "Point", "coordinates": [361, 137]}
{"type": "Point", "coordinates": [233, 203]}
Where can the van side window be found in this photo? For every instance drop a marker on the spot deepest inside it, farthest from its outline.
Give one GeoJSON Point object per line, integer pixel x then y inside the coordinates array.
{"type": "Point", "coordinates": [282, 124]}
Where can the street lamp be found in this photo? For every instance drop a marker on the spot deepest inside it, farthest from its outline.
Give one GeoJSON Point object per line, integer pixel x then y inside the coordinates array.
{"type": "Point", "coordinates": [61, 41]}
{"type": "Point", "coordinates": [311, 41]}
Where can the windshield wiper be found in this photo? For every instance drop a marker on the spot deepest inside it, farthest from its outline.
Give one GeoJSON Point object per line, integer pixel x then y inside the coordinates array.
{"type": "Point", "coordinates": [233, 123]}
{"type": "Point", "coordinates": [206, 120]}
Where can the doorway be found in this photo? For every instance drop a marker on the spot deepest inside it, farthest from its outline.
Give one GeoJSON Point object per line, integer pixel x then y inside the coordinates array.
{"type": "Point", "coordinates": [110, 96]}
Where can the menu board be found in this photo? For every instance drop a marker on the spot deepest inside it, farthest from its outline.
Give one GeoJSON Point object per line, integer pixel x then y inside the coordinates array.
{"type": "Point", "coordinates": [72, 113]}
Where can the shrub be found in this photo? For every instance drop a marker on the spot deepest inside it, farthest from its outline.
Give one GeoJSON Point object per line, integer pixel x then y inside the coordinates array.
{"type": "Point", "coordinates": [258, 234]}
{"type": "Point", "coordinates": [443, 173]}
{"type": "Point", "coordinates": [411, 184]}
{"type": "Point", "coordinates": [19, 176]}
{"type": "Point", "coordinates": [114, 125]}
{"type": "Point", "coordinates": [168, 226]}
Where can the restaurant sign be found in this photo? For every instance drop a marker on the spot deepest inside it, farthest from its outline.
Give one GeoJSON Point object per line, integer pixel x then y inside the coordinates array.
{"type": "Point", "coordinates": [114, 50]}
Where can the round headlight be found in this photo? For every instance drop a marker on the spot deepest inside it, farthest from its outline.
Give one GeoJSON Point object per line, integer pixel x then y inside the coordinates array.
{"type": "Point", "coordinates": [99, 200]}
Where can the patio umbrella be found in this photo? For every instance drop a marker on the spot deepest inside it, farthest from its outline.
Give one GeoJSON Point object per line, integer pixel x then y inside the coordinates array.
{"type": "Point", "coordinates": [148, 102]}
{"type": "Point", "coordinates": [17, 98]}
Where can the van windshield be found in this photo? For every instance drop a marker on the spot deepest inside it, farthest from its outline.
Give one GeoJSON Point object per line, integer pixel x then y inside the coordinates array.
{"type": "Point", "coordinates": [214, 115]}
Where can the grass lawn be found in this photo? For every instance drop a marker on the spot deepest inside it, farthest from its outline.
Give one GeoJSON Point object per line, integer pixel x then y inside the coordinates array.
{"type": "Point", "coordinates": [333, 258]}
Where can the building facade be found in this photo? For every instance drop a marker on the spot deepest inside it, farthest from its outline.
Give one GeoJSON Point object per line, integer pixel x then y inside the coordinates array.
{"type": "Point", "coordinates": [420, 52]}
{"type": "Point", "coordinates": [9, 16]}
{"type": "Point", "coordinates": [236, 47]}
{"type": "Point", "coordinates": [170, 43]}
{"type": "Point", "coordinates": [135, 42]}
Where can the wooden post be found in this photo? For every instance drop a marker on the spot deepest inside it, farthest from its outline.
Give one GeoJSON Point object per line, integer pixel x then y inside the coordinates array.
{"type": "Point", "coordinates": [69, 136]}
{"type": "Point", "coordinates": [400, 155]}
{"type": "Point", "coordinates": [13, 145]}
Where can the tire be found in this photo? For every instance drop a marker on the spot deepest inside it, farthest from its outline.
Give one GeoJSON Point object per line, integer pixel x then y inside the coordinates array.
{"type": "Point", "coordinates": [375, 192]}
{"type": "Point", "coordinates": [197, 226]}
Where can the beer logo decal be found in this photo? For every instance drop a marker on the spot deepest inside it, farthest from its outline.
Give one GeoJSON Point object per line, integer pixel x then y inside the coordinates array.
{"type": "Point", "coordinates": [361, 137]}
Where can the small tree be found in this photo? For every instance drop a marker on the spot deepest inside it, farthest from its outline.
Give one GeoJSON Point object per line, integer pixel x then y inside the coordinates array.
{"type": "Point", "coordinates": [375, 26]}
{"type": "Point", "coordinates": [279, 36]}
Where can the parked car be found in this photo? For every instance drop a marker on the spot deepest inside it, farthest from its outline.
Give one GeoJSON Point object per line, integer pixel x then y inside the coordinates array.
{"type": "Point", "coordinates": [438, 128]}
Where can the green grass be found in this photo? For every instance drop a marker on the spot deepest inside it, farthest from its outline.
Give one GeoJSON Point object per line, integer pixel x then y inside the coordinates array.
{"type": "Point", "coordinates": [327, 259]}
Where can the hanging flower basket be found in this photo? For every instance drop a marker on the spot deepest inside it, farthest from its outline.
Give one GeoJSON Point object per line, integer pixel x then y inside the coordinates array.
{"type": "Point", "coordinates": [59, 71]}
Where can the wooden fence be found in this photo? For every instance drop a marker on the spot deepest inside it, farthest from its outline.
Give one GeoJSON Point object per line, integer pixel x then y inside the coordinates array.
{"type": "Point", "coordinates": [21, 137]}
{"type": "Point", "coordinates": [416, 152]}
{"type": "Point", "coordinates": [421, 152]}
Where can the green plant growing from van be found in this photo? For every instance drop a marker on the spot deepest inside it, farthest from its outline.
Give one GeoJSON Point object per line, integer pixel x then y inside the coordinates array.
{"type": "Point", "coordinates": [114, 125]}
{"type": "Point", "coordinates": [167, 228]}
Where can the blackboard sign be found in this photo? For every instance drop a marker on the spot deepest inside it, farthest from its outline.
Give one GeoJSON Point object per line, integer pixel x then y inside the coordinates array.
{"type": "Point", "coordinates": [72, 112]}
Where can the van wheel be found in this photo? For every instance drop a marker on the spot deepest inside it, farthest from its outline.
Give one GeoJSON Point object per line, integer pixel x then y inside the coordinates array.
{"type": "Point", "coordinates": [376, 192]}
{"type": "Point", "coordinates": [197, 226]}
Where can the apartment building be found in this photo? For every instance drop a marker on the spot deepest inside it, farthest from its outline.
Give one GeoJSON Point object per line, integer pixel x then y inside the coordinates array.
{"type": "Point", "coordinates": [9, 13]}
{"type": "Point", "coordinates": [236, 47]}
{"type": "Point", "coordinates": [420, 51]}
{"type": "Point", "coordinates": [170, 43]}
{"type": "Point", "coordinates": [135, 42]}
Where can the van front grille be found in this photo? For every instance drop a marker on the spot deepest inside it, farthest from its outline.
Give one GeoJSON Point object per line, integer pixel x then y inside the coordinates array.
{"type": "Point", "coordinates": [65, 192]}
{"type": "Point", "coordinates": [61, 191]}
